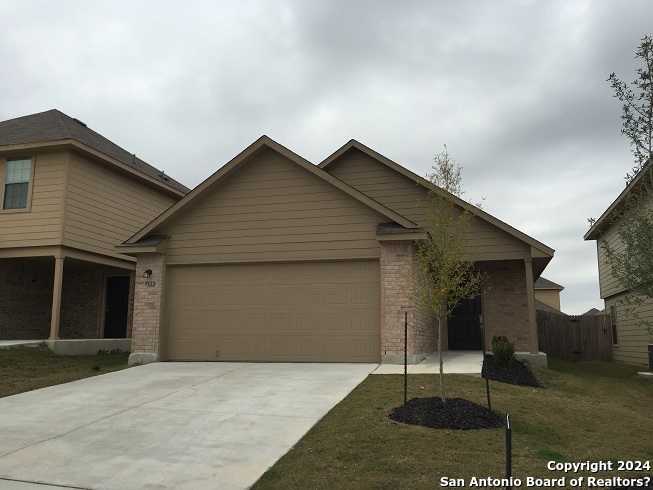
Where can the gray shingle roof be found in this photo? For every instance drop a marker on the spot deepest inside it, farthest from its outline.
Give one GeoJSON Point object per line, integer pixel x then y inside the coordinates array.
{"type": "Point", "coordinates": [543, 283]}
{"type": "Point", "coordinates": [54, 125]}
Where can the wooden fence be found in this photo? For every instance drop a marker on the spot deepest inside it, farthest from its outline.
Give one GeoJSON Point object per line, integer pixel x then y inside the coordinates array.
{"type": "Point", "coordinates": [574, 337]}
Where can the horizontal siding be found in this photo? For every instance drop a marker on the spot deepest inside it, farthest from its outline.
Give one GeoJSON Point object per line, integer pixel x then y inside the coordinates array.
{"type": "Point", "coordinates": [609, 286]}
{"type": "Point", "coordinates": [633, 338]}
{"type": "Point", "coordinates": [409, 199]}
{"type": "Point", "coordinates": [548, 297]}
{"type": "Point", "coordinates": [104, 208]}
{"type": "Point", "coordinates": [274, 210]}
{"type": "Point", "coordinates": [41, 225]}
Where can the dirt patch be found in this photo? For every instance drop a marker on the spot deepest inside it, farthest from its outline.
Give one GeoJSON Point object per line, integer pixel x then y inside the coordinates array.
{"type": "Point", "coordinates": [454, 414]}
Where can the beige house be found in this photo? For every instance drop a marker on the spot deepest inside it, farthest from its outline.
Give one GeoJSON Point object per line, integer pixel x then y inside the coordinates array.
{"type": "Point", "coordinates": [275, 259]}
{"type": "Point", "coordinates": [630, 339]}
{"type": "Point", "coordinates": [548, 292]}
{"type": "Point", "coordinates": [68, 196]}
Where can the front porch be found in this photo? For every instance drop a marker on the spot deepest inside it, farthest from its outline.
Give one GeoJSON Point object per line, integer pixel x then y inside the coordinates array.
{"type": "Point", "coordinates": [65, 297]}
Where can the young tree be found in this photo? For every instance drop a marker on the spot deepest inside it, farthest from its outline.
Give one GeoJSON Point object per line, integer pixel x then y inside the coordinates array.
{"type": "Point", "coordinates": [444, 264]}
{"type": "Point", "coordinates": [632, 263]}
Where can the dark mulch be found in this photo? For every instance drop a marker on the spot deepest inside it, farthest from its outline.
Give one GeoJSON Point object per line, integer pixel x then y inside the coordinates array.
{"type": "Point", "coordinates": [519, 374]}
{"type": "Point", "coordinates": [455, 414]}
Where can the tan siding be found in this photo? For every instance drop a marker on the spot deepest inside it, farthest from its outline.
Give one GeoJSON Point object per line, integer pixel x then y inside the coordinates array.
{"type": "Point", "coordinates": [549, 297]}
{"type": "Point", "coordinates": [274, 210]}
{"type": "Point", "coordinates": [633, 338]}
{"type": "Point", "coordinates": [104, 208]}
{"type": "Point", "coordinates": [402, 195]}
{"type": "Point", "coordinates": [609, 286]}
{"type": "Point", "coordinates": [41, 225]}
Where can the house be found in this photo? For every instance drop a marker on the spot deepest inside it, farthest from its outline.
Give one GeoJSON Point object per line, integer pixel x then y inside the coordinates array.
{"type": "Point", "coordinates": [630, 338]}
{"type": "Point", "coordinates": [548, 292]}
{"type": "Point", "coordinates": [68, 196]}
{"type": "Point", "coordinates": [275, 259]}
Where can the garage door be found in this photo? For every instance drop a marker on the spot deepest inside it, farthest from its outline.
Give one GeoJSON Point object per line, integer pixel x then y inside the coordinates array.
{"type": "Point", "coordinates": [316, 312]}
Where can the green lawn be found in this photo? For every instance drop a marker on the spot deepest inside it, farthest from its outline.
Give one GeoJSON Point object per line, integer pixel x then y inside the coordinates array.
{"type": "Point", "coordinates": [589, 411]}
{"type": "Point", "coordinates": [29, 368]}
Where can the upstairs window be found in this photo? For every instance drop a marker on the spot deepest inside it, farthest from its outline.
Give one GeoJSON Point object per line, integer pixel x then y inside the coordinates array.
{"type": "Point", "coordinates": [17, 175]}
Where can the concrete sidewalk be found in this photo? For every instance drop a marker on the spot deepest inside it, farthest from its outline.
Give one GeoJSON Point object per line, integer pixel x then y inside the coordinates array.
{"type": "Point", "coordinates": [454, 362]}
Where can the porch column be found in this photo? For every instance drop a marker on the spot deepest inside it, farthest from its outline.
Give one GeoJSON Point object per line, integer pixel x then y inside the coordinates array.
{"type": "Point", "coordinates": [530, 295]}
{"type": "Point", "coordinates": [56, 298]}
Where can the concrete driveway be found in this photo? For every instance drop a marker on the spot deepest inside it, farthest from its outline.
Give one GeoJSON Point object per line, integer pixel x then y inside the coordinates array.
{"type": "Point", "coordinates": [166, 425]}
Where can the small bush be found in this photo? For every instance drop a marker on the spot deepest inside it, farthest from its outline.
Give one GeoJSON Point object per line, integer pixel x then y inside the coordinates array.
{"type": "Point", "coordinates": [503, 351]}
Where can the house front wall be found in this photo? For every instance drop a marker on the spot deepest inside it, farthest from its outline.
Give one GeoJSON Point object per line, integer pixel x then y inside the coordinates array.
{"type": "Point", "coordinates": [40, 223]}
{"type": "Point", "coordinates": [104, 207]}
{"type": "Point", "coordinates": [410, 199]}
{"type": "Point", "coordinates": [26, 286]}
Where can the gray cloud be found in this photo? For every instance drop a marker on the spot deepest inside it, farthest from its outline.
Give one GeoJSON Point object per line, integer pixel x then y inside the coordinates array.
{"type": "Point", "coordinates": [516, 90]}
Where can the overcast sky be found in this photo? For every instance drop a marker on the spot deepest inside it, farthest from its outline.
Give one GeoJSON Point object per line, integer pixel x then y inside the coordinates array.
{"type": "Point", "coordinates": [516, 90]}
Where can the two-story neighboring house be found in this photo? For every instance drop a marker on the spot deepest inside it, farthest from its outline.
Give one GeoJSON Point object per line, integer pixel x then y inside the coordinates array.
{"type": "Point", "coordinates": [629, 336]}
{"type": "Point", "coordinates": [67, 196]}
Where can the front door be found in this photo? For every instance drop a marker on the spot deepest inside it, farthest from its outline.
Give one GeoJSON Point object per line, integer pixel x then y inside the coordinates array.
{"type": "Point", "coordinates": [116, 307]}
{"type": "Point", "coordinates": [464, 325]}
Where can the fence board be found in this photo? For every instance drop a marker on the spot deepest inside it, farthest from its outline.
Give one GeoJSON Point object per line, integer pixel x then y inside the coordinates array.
{"type": "Point", "coordinates": [574, 337]}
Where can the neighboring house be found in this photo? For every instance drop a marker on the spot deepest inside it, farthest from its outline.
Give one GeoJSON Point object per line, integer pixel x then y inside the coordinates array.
{"type": "Point", "coordinates": [630, 339]}
{"type": "Point", "coordinates": [68, 196]}
{"type": "Point", "coordinates": [548, 292]}
{"type": "Point", "coordinates": [275, 259]}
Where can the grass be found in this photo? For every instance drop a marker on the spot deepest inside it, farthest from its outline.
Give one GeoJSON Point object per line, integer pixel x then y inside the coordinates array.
{"type": "Point", "coordinates": [589, 411]}
{"type": "Point", "coordinates": [29, 368]}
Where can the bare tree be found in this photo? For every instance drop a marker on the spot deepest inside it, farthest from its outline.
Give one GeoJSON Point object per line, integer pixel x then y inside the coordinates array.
{"type": "Point", "coordinates": [444, 266]}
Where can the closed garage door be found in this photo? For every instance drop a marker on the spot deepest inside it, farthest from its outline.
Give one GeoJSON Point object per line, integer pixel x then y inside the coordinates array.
{"type": "Point", "coordinates": [317, 312]}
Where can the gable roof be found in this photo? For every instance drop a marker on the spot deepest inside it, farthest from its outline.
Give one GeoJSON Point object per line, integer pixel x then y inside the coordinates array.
{"type": "Point", "coordinates": [54, 125]}
{"type": "Point", "coordinates": [241, 160]}
{"type": "Point", "coordinates": [604, 222]}
{"type": "Point", "coordinates": [353, 144]}
{"type": "Point", "coordinates": [543, 283]}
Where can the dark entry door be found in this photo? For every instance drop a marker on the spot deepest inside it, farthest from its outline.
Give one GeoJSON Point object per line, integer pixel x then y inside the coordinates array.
{"type": "Point", "coordinates": [116, 306]}
{"type": "Point", "coordinates": [464, 325]}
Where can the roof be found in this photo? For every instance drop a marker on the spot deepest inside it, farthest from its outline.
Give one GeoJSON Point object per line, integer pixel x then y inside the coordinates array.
{"type": "Point", "coordinates": [241, 160]}
{"type": "Point", "coordinates": [601, 224]}
{"type": "Point", "coordinates": [54, 125]}
{"type": "Point", "coordinates": [594, 311]}
{"type": "Point", "coordinates": [542, 254]}
{"type": "Point", "coordinates": [543, 283]}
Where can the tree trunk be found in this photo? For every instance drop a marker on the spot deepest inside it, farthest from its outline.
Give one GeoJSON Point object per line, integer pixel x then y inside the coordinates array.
{"type": "Point", "coordinates": [441, 363]}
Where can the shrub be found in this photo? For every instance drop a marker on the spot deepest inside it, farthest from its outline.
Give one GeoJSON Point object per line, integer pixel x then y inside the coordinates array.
{"type": "Point", "coordinates": [503, 351]}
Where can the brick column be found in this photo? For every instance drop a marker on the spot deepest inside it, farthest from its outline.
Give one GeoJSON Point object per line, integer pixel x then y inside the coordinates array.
{"type": "Point", "coordinates": [148, 309]}
{"type": "Point", "coordinates": [396, 273]}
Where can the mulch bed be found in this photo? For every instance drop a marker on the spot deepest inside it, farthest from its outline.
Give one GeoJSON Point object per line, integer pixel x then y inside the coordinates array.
{"type": "Point", "coordinates": [455, 414]}
{"type": "Point", "coordinates": [461, 414]}
{"type": "Point", "coordinates": [519, 374]}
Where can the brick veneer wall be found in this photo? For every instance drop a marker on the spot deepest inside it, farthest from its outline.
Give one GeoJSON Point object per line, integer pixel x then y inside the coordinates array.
{"type": "Point", "coordinates": [25, 298]}
{"type": "Point", "coordinates": [148, 304]}
{"type": "Point", "coordinates": [396, 264]}
{"type": "Point", "coordinates": [82, 299]}
{"type": "Point", "coordinates": [505, 303]}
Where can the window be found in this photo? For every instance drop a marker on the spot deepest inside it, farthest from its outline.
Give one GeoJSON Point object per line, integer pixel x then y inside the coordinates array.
{"type": "Point", "coordinates": [613, 321]}
{"type": "Point", "coordinates": [17, 176]}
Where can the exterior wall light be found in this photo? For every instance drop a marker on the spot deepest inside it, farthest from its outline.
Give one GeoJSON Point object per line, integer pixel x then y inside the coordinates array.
{"type": "Point", "coordinates": [147, 274]}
